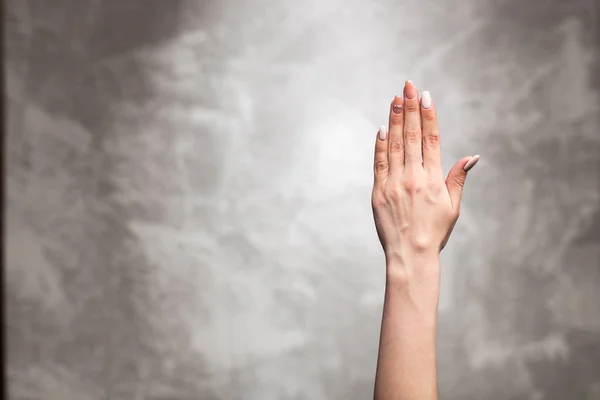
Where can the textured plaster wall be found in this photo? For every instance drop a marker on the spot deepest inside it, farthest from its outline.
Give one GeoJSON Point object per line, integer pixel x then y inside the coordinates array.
{"type": "Point", "coordinates": [188, 189]}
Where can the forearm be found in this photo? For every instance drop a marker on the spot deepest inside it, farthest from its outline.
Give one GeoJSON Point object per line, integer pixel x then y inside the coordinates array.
{"type": "Point", "coordinates": [413, 207]}
{"type": "Point", "coordinates": [406, 367]}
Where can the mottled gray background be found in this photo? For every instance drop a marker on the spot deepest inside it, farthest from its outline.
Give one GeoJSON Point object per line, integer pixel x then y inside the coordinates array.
{"type": "Point", "coordinates": [189, 195]}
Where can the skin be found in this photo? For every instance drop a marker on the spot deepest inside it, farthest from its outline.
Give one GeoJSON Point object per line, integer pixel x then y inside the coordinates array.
{"type": "Point", "coordinates": [415, 210]}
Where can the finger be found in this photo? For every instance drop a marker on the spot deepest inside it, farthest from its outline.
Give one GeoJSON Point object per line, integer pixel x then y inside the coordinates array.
{"type": "Point", "coordinates": [432, 158]}
{"type": "Point", "coordinates": [456, 179]}
{"type": "Point", "coordinates": [395, 139]}
{"type": "Point", "coordinates": [380, 166]}
{"type": "Point", "coordinates": [412, 126]}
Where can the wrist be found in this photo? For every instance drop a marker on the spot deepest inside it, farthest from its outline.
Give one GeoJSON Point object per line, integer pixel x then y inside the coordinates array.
{"type": "Point", "coordinates": [411, 264]}
{"type": "Point", "coordinates": [415, 277]}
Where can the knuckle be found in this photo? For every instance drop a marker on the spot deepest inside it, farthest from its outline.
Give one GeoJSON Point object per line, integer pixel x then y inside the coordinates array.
{"type": "Point", "coordinates": [381, 166]}
{"type": "Point", "coordinates": [396, 146]}
{"type": "Point", "coordinates": [428, 116]}
{"type": "Point", "coordinates": [411, 107]}
{"type": "Point", "coordinates": [432, 140]}
{"type": "Point", "coordinates": [412, 185]}
{"type": "Point", "coordinates": [396, 119]}
{"type": "Point", "coordinates": [392, 194]}
{"type": "Point", "coordinates": [459, 180]}
{"type": "Point", "coordinates": [378, 200]}
{"type": "Point", "coordinates": [413, 136]}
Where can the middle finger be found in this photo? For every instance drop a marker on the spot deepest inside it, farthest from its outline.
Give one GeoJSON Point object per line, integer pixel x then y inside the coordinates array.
{"type": "Point", "coordinates": [413, 155]}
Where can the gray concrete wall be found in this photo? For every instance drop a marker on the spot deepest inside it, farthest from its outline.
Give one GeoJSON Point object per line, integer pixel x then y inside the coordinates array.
{"type": "Point", "coordinates": [188, 195]}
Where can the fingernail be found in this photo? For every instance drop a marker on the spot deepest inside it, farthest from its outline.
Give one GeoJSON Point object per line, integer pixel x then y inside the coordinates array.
{"type": "Point", "coordinates": [397, 106]}
{"type": "Point", "coordinates": [410, 92]}
{"type": "Point", "coordinates": [426, 99]}
{"type": "Point", "coordinates": [382, 133]}
{"type": "Point", "coordinates": [471, 163]}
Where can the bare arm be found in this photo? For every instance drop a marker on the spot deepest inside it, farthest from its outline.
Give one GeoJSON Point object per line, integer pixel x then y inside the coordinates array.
{"type": "Point", "coordinates": [415, 210]}
{"type": "Point", "coordinates": [406, 363]}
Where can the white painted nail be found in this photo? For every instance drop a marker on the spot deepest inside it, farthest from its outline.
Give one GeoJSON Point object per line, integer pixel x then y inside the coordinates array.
{"type": "Point", "coordinates": [426, 99]}
{"type": "Point", "coordinates": [411, 82]}
{"type": "Point", "coordinates": [471, 163]}
{"type": "Point", "coordinates": [382, 133]}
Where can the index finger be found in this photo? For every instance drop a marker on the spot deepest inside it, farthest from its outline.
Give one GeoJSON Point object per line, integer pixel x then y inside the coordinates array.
{"type": "Point", "coordinates": [412, 127]}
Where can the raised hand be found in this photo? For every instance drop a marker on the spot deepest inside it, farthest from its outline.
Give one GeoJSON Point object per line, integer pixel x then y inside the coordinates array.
{"type": "Point", "coordinates": [415, 208]}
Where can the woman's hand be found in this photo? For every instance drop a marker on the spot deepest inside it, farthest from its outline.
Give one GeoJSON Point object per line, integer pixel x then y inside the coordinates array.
{"type": "Point", "coordinates": [415, 209]}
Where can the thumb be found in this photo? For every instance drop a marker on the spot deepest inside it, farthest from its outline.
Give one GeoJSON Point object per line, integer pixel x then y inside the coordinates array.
{"type": "Point", "coordinates": [457, 176]}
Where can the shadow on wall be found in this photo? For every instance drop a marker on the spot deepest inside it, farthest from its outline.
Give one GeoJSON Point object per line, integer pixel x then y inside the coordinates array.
{"type": "Point", "coordinates": [57, 46]}
{"type": "Point", "coordinates": [110, 345]}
